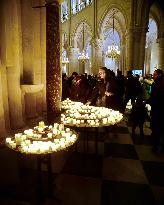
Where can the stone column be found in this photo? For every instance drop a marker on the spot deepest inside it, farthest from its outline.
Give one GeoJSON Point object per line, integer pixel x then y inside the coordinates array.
{"type": "Point", "coordinates": [53, 67]}
{"type": "Point", "coordinates": [129, 49]}
{"type": "Point", "coordinates": [14, 64]}
{"type": "Point", "coordinates": [15, 100]}
{"type": "Point", "coordinates": [43, 57]}
{"type": "Point", "coordinates": [30, 106]}
{"type": "Point", "coordinates": [142, 48]}
{"type": "Point", "coordinates": [73, 60]}
{"type": "Point", "coordinates": [136, 48]}
{"type": "Point", "coordinates": [81, 67]}
{"type": "Point", "coordinates": [123, 55]}
{"type": "Point", "coordinates": [2, 114]}
{"type": "Point", "coordinates": [97, 55]}
{"type": "Point", "coordinates": [32, 56]}
{"type": "Point", "coordinates": [160, 53]}
{"type": "Point", "coordinates": [147, 59]}
{"type": "Point", "coordinates": [38, 70]}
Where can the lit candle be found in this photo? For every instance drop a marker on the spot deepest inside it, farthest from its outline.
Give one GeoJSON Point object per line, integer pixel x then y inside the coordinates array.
{"type": "Point", "coordinates": [49, 135]}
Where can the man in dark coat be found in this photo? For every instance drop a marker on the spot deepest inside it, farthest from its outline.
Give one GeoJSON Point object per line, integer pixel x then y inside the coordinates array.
{"type": "Point", "coordinates": [133, 89]}
{"type": "Point", "coordinates": [156, 101]}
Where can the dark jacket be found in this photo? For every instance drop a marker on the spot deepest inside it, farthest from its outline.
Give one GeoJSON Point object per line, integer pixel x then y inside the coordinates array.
{"type": "Point", "coordinates": [156, 99]}
{"type": "Point", "coordinates": [138, 114]}
{"type": "Point", "coordinates": [99, 98]}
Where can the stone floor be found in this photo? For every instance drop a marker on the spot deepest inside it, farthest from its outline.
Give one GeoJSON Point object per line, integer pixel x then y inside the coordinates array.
{"type": "Point", "coordinates": [124, 172]}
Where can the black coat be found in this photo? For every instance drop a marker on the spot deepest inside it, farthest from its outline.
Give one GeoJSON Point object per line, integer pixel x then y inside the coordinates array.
{"type": "Point", "coordinates": [99, 98]}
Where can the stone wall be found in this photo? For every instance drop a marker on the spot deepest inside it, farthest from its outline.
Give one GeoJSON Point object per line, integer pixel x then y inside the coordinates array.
{"type": "Point", "coordinates": [22, 64]}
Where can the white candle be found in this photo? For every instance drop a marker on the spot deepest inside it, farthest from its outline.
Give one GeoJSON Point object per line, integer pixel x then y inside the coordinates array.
{"type": "Point", "coordinates": [49, 135]}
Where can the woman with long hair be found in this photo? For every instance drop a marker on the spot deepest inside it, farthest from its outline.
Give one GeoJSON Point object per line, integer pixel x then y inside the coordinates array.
{"type": "Point", "coordinates": [105, 93]}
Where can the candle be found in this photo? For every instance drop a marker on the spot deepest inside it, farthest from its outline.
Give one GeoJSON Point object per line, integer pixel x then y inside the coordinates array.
{"type": "Point", "coordinates": [41, 124]}
{"type": "Point", "coordinates": [8, 139]}
{"type": "Point", "coordinates": [40, 129]}
{"type": "Point", "coordinates": [49, 135]}
{"type": "Point", "coordinates": [55, 131]}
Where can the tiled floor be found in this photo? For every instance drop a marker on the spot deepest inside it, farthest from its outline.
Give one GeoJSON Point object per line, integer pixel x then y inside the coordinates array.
{"type": "Point", "coordinates": [124, 172]}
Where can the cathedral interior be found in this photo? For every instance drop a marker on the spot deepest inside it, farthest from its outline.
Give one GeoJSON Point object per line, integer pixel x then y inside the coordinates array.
{"type": "Point", "coordinates": [39, 41]}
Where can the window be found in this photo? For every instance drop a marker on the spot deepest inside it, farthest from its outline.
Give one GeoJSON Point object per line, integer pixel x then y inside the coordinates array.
{"type": "Point", "coordinates": [64, 11]}
{"type": "Point", "coordinates": [151, 36]}
{"type": "Point", "coordinates": [78, 5]}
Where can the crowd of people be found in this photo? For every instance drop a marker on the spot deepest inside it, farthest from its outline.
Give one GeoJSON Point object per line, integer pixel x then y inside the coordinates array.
{"type": "Point", "coordinates": [115, 91]}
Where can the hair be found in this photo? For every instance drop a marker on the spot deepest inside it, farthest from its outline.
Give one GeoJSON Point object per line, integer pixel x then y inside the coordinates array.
{"type": "Point", "coordinates": [159, 71]}
{"type": "Point", "coordinates": [64, 75]}
{"type": "Point", "coordinates": [129, 72]}
{"type": "Point", "coordinates": [109, 73]}
{"type": "Point", "coordinates": [119, 72]}
{"type": "Point", "coordinates": [104, 68]}
{"type": "Point", "coordinates": [75, 73]}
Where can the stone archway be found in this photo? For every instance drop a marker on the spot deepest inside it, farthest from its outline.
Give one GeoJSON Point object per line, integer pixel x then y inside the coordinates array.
{"type": "Point", "coordinates": [81, 43]}
{"type": "Point", "coordinates": [151, 48]}
{"type": "Point", "coordinates": [156, 14]}
{"type": "Point", "coordinates": [105, 27]}
{"type": "Point", "coordinates": [78, 32]}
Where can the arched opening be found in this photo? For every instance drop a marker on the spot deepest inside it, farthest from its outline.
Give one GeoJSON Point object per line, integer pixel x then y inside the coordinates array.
{"type": "Point", "coordinates": [112, 64]}
{"type": "Point", "coordinates": [82, 38]}
{"type": "Point", "coordinates": [64, 11]}
{"type": "Point", "coordinates": [151, 48]}
{"type": "Point", "coordinates": [65, 59]}
{"type": "Point", "coordinates": [112, 28]}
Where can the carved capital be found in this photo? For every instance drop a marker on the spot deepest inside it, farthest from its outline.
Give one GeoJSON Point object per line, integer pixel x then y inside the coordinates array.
{"type": "Point", "coordinates": [136, 32]}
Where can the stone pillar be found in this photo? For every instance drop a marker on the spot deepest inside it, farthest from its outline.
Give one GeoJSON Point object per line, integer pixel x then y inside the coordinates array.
{"type": "Point", "coordinates": [129, 49]}
{"type": "Point", "coordinates": [136, 48]}
{"type": "Point", "coordinates": [32, 55]}
{"type": "Point", "coordinates": [43, 57]}
{"type": "Point", "coordinates": [14, 64]}
{"type": "Point", "coordinates": [161, 53]}
{"type": "Point", "coordinates": [73, 60]}
{"type": "Point", "coordinates": [2, 114]}
{"type": "Point", "coordinates": [81, 67]}
{"type": "Point", "coordinates": [142, 49]}
{"type": "Point", "coordinates": [53, 69]}
{"type": "Point", "coordinates": [30, 106]}
{"type": "Point", "coordinates": [123, 55]}
{"type": "Point", "coordinates": [97, 55]}
{"type": "Point", "coordinates": [38, 70]}
{"type": "Point", "coordinates": [15, 100]}
{"type": "Point", "coordinates": [147, 59]}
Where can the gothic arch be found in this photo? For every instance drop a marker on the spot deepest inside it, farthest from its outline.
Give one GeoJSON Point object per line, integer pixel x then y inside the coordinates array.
{"type": "Point", "coordinates": [121, 20]}
{"type": "Point", "coordinates": [77, 34]}
{"type": "Point", "coordinates": [156, 15]}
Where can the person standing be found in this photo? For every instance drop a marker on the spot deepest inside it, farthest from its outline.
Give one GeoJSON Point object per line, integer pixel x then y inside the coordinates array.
{"type": "Point", "coordinates": [156, 101]}
{"type": "Point", "coordinates": [138, 116]}
{"type": "Point", "coordinates": [105, 93]}
{"type": "Point", "coordinates": [133, 89]}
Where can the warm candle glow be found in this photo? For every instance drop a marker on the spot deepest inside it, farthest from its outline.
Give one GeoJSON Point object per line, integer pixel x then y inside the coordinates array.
{"type": "Point", "coordinates": [43, 139]}
{"type": "Point", "coordinates": [79, 114]}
